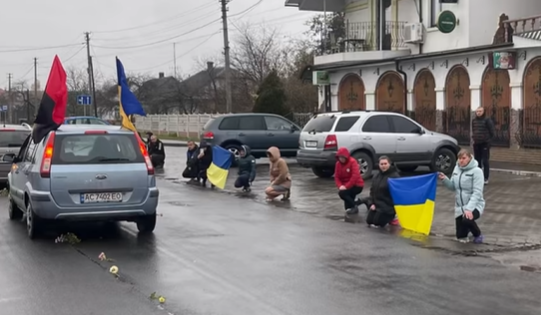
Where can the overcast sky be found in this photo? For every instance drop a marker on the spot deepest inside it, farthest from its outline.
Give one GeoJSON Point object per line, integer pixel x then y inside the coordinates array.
{"type": "Point", "coordinates": [140, 33]}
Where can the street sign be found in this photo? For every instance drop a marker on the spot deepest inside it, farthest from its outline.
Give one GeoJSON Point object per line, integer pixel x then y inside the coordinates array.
{"type": "Point", "coordinates": [446, 22]}
{"type": "Point", "coordinates": [4, 108]}
{"type": "Point", "coordinates": [84, 100]}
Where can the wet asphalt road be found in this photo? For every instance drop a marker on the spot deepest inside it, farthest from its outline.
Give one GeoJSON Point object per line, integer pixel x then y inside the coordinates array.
{"type": "Point", "coordinates": [216, 253]}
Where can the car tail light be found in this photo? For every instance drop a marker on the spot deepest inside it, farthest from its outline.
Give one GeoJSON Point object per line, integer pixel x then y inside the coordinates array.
{"type": "Point", "coordinates": [144, 152]}
{"type": "Point", "coordinates": [330, 143]}
{"type": "Point", "coordinates": [208, 135]}
{"type": "Point", "coordinates": [45, 170]}
{"type": "Point", "coordinates": [95, 132]}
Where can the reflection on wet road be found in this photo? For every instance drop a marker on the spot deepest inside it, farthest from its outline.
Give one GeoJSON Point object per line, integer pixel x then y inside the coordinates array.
{"type": "Point", "coordinates": [216, 253]}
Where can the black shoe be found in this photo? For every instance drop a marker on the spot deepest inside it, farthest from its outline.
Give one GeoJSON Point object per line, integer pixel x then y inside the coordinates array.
{"type": "Point", "coordinates": [246, 189]}
{"type": "Point", "coordinates": [352, 211]}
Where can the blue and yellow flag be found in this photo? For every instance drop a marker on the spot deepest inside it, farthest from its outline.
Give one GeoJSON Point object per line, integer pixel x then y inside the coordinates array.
{"type": "Point", "coordinates": [414, 199]}
{"type": "Point", "coordinates": [128, 103]}
{"type": "Point", "coordinates": [219, 169]}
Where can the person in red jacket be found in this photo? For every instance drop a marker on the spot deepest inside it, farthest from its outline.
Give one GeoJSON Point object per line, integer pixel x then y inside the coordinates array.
{"type": "Point", "coordinates": [348, 179]}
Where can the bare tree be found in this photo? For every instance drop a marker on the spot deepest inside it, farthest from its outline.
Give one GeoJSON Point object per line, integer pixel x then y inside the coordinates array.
{"type": "Point", "coordinates": [256, 52]}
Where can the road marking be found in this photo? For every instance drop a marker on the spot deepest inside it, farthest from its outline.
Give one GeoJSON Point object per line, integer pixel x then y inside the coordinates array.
{"type": "Point", "coordinates": [221, 281]}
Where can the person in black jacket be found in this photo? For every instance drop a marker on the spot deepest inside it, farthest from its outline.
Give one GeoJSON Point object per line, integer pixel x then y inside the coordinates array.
{"type": "Point", "coordinates": [381, 206]}
{"type": "Point", "coordinates": [205, 160]}
{"type": "Point", "coordinates": [156, 151]}
{"type": "Point", "coordinates": [246, 165]}
{"type": "Point", "coordinates": [482, 133]}
{"type": "Point", "coordinates": [192, 163]}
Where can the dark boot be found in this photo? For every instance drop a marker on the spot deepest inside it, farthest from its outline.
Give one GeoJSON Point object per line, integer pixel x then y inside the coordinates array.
{"type": "Point", "coordinates": [352, 211]}
{"type": "Point", "coordinates": [363, 201]}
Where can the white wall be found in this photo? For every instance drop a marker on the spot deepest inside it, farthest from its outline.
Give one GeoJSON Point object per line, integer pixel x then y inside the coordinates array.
{"type": "Point", "coordinates": [459, 38]}
{"type": "Point", "coordinates": [475, 69]}
{"type": "Point", "coordinates": [484, 22]}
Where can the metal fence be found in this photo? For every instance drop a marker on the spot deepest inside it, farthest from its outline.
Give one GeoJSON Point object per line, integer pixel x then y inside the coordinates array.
{"type": "Point", "coordinates": [530, 130]}
{"type": "Point", "coordinates": [456, 123]}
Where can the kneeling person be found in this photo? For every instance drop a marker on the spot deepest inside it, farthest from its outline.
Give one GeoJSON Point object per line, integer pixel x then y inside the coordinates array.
{"type": "Point", "coordinates": [348, 179]}
{"type": "Point", "coordinates": [156, 152]}
{"type": "Point", "coordinates": [246, 164]}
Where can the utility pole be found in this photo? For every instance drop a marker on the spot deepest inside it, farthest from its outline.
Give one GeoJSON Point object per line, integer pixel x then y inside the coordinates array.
{"type": "Point", "coordinates": [175, 58]}
{"type": "Point", "coordinates": [87, 36]}
{"type": "Point", "coordinates": [227, 61]}
{"type": "Point", "coordinates": [10, 76]}
{"type": "Point", "coordinates": [36, 80]}
{"type": "Point", "coordinates": [93, 88]}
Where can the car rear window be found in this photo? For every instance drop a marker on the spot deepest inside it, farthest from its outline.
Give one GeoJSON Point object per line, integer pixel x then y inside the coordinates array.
{"type": "Point", "coordinates": [345, 123]}
{"type": "Point", "coordinates": [321, 123]}
{"type": "Point", "coordinates": [96, 149]}
{"type": "Point", "coordinates": [207, 124]}
{"type": "Point", "coordinates": [13, 138]}
{"type": "Point", "coordinates": [230, 123]}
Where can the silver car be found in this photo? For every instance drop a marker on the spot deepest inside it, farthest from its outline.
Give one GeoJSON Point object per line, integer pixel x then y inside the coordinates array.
{"type": "Point", "coordinates": [83, 172]}
{"type": "Point", "coordinates": [11, 139]}
{"type": "Point", "coordinates": [369, 135]}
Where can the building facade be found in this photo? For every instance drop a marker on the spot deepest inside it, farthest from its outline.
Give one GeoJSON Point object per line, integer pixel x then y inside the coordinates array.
{"type": "Point", "coordinates": [437, 62]}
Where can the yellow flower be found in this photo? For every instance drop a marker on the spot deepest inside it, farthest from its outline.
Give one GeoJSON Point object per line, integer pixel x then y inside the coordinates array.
{"type": "Point", "coordinates": [113, 270]}
{"type": "Point", "coordinates": [161, 299]}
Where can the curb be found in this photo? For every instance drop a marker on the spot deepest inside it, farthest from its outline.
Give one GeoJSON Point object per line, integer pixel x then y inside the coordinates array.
{"type": "Point", "coordinates": [517, 172]}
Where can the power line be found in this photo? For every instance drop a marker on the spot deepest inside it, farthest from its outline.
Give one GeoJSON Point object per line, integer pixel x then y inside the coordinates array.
{"type": "Point", "coordinates": [179, 56]}
{"type": "Point", "coordinates": [156, 46]}
{"type": "Point", "coordinates": [37, 48]}
{"type": "Point", "coordinates": [246, 11]}
{"type": "Point", "coordinates": [75, 54]}
{"type": "Point", "coordinates": [158, 22]}
{"type": "Point", "coordinates": [160, 41]}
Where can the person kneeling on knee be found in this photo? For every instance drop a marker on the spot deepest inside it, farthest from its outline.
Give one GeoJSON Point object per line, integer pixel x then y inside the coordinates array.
{"type": "Point", "coordinates": [381, 211]}
{"type": "Point", "coordinates": [279, 176]}
{"type": "Point", "coordinates": [156, 151]}
{"type": "Point", "coordinates": [349, 181]}
{"type": "Point", "coordinates": [247, 171]}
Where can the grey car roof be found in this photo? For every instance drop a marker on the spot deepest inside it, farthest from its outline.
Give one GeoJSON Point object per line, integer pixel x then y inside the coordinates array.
{"type": "Point", "coordinates": [15, 127]}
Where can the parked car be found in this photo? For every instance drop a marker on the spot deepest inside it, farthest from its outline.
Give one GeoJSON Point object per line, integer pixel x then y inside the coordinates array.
{"type": "Point", "coordinates": [85, 120]}
{"type": "Point", "coordinates": [258, 131]}
{"type": "Point", "coordinates": [83, 172]}
{"type": "Point", "coordinates": [369, 135]}
{"type": "Point", "coordinates": [11, 139]}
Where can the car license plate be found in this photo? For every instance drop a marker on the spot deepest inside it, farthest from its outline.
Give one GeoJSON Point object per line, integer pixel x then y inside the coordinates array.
{"type": "Point", "coordinates": [311, 144]}
{"type": "Point", "coordinates": [101, 197]}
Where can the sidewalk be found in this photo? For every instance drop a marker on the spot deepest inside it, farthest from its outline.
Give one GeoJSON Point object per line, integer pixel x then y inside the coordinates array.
{"type": "Point", "coordinates": [174, 143]}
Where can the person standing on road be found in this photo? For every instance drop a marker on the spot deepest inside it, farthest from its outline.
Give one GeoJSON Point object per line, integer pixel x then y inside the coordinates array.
{"type": "Point", "coordinates": [246, 165]}
{"type": "Point", "coordinates": [348, 179]}
{"type": "Point", "coordinates": [381, 210]}
{"type": "Point", "coordinates": [482, 134]}
{"type": "Point", "coordinates": [279, 176]}
{"type": "Point", "coordinates": [156, 151]}
{"type": "Point", "coordinates": [467, 183]}
{"type": "Point", "coordinates": [192, 170]}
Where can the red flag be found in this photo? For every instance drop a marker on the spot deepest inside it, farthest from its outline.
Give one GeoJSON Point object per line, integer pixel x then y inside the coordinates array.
{"type": "Point", "coordinates": [52, 108]}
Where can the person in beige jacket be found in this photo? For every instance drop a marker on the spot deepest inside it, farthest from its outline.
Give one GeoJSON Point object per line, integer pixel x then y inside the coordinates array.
{"type": "Point", "coordinates": [279, 176]}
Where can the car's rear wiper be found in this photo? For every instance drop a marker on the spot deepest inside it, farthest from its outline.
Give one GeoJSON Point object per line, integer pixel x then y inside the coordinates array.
{"type": "Point", "coordinates": [114, 160]}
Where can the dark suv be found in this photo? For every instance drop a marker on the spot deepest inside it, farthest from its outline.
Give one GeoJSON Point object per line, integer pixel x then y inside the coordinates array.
{"type": "Point", "coordinates": [258, 131]}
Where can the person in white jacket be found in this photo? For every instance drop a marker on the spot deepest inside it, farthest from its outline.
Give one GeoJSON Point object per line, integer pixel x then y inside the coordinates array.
{"type": "Point", "coordinates": [468, 183]}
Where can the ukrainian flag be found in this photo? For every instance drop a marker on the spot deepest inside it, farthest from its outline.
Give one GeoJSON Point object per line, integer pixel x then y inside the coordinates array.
{"type": "Point", "coordinates": [128, 103]}
{"type": "Point", "coordinates": [219, 169]}
{"type": "Point", "coordinates": [414, 199]}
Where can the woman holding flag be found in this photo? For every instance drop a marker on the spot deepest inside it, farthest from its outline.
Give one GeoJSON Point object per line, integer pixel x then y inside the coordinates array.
{"type": "Point", "coordinates": [467, 182]}
{"type": "Point", "coordinates": [381, 206]}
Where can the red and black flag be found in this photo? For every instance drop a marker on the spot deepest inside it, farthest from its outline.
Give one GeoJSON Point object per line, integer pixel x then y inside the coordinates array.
{"type": "Point", "coordinates": [52, 108]}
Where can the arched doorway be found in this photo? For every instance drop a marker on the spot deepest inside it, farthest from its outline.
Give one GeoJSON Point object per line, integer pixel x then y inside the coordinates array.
{"type": "Point", "coordinates": [496, 99]}
{"type": "Point", "coordinates": [351, 93]}
{"type": "Point", "coordinates": [458, 105]}
{"type": "Point", "coordinates": [531, 123]}
{"type": "Point", "coordinates": [424, 94]}
{"type": "Point", "coordinates": [390, 93]}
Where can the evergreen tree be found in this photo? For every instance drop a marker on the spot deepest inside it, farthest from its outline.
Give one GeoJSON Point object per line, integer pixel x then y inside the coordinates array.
{"type": "Point", "coordinates": [271, 97]}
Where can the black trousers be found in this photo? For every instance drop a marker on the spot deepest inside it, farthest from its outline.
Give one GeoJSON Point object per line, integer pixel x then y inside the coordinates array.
{"type": "Point", "coordinates": [465, 226]}
{"type": "Point", "coordinates": [378, 218]}
{"type": "Point", "coordinates": [157, 160]}
{"type": "Point", "coordinates": [242, 181]}
{"type": "Point", "coordinates": [481, 151]}
{"type": "Point", "coordinates": [349, 196]}
{"type": "Point", "coordinates": [191, 172]}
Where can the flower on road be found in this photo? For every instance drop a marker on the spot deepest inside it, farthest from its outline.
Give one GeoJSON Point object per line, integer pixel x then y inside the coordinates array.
{"type": "Point", "coordinates": [113, 270]}
{"type": "Point", "coordinates": [102, 256]}
{"type": "Point", "coordinates": [161, 299]}
{"type": "Point", "coordinates": [154, 296]}
{"type": "Point", "coordinates": [70, 238]}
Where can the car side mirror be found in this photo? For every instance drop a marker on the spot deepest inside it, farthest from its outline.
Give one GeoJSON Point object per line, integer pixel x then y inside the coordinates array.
{"type": "Point", "coordinates": [420, 131]}
{"type": "Point", "coordinates": [9, 158]}
{"type": "Point", "coordinates": [293, 128]}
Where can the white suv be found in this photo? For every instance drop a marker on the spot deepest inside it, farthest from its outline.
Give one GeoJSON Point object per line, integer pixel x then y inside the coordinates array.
{"type": "Point", "coordinates": [369, 135]}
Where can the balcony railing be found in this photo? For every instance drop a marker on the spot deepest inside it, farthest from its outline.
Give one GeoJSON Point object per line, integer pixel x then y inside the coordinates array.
{"type": "Point", "coordinates": [363, 36]}
{"type": "Point", "coordinates": [525, 27]}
